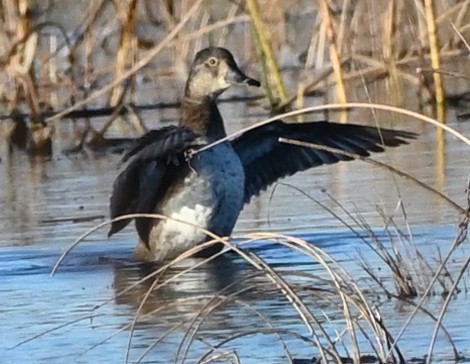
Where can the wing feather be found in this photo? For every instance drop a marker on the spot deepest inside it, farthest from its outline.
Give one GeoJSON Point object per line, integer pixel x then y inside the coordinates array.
{"type": "Point", "coordinates": [138, 187]}
{"type": "Point", "coordinates": [266, 160]}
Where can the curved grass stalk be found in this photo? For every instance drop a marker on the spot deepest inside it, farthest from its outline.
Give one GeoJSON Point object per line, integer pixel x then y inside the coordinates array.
{"type": "Point", "coordinates": [206, 311]}
{"type": "Point", "coordinates": [183, 256]}
{"type": "Point", "coordinates": [337, 278]}
{"type": "Point", "coordinates": [254, 236]}
{"type": "Point", "coordinates": [134, 216]}
{"type": "Point", "coordinates": [379, 164]}
{"type": "Point", "coordinates": [147, 314]}
{"type": "Point", "coordinates": [362, 105]}
{"type": "Point", "coordinates": [302, 310]}
{"type": "Point", "coordinates": [317, 255]}
{"type": "Point", "coordinates": [155, 286]}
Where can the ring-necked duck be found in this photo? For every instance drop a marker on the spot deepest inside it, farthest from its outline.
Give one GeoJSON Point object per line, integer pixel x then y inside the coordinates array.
{"type": "Point", "coordinates": [210, 189]}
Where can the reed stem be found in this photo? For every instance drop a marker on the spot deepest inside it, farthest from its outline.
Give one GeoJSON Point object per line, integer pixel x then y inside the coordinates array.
{"type": "Point", "coordinates": [435, 59]}
{"type": "Point", "coordinates": [334, 56]}
{"type": "Point", "coordinates": [273, 77]}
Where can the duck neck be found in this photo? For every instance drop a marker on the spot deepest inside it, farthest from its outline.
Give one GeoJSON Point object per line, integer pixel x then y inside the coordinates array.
{"type": "Point", "coordinates": [202, 117]}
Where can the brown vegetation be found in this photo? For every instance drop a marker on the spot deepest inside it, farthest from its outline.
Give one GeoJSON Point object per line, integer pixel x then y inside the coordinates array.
{"type": "Point", "coordinates": [99, 54]}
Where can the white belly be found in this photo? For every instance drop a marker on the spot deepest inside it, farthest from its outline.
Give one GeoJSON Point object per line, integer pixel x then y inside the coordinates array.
{"type": "Point", "coordinates": [209, 197]}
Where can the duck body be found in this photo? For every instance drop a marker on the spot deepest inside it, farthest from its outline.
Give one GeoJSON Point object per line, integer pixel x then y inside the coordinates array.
{"type": "Point", "coordinates": [207, 194]}
{"type": "Point", "coordinates": [208, 189]}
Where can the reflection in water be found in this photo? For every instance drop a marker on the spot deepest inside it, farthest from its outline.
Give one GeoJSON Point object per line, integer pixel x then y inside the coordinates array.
{"type": "Point", "coordinates": [440, 160]}
{"type": "Point", "coordinates": [37, 190]}
{"type": "Point", "coordinates": [204, 280]}
{"type": "Point", "coordinates": [23, 201]}
{"type": "Point", "coordinates": [226, 295]}
{"type": "Point", "coordinates": [196, 300]}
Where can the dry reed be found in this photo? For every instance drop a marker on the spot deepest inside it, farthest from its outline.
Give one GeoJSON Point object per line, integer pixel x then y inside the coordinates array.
{"type": "Point", "coordinates": [334, 55]}
{"type": "Point", "coordinates": [435, 59]}
{"type": "Point", "coordinates": [271, 75]}
{"type": "Point", "coordinates": [75, 79]}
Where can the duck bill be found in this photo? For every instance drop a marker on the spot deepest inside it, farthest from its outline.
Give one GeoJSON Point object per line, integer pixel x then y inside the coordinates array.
{"type": "Point", "coordinates": [235, 76]}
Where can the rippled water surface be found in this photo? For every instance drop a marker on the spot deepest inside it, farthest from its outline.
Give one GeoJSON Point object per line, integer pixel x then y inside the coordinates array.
{"type": "Point", "coordinates": [80, 305]}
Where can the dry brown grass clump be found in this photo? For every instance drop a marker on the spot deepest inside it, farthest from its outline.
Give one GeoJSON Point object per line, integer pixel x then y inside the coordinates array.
{"type": "Point", "coordinates": [57, 58]}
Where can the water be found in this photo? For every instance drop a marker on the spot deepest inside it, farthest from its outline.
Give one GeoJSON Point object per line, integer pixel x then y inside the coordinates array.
{"type": "Point", "coordinates": [39, 199]}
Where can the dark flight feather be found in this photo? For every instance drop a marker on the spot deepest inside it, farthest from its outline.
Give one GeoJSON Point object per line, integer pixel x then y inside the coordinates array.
{"type": "Point", "coordinates": [265, 159]}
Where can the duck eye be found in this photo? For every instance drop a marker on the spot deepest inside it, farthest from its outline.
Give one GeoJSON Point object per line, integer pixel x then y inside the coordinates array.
{"type": "Point", "coordinates": [212, 61]}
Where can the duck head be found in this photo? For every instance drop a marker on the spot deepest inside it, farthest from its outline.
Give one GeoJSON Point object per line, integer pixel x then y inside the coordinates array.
{"type": "Point", "coordinates": [213, 71]}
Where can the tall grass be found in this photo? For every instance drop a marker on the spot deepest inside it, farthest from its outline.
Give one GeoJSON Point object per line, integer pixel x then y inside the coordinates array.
{"type": "Point", "coordinates": [95, 61]}
{"type": "Point", "coordinates": [327, 300]}
{"type": "Point", "coordinates": [272, 79]}
{"type": "Point", "coordinates": [334, 54]}
{"type": "Point", "coordinates": [435, 59]}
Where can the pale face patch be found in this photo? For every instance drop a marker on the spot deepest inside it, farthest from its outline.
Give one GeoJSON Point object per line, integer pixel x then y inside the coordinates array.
{"type": "Point", "coordinates": [209, 81]}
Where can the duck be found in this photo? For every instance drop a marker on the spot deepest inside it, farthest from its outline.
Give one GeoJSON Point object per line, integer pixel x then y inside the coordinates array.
{"type": "Point", "coordinates": [210, 188]}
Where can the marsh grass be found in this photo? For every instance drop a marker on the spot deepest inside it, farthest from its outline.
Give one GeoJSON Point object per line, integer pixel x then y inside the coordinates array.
{"type": "Point", "coordinates": [47, 65]}
{"type": "Point", "coordinates": [337, 289]}
{"type": "Point", "coordinates": [317, 296]}
{"type": "Point", "coordinates": [271, 76]}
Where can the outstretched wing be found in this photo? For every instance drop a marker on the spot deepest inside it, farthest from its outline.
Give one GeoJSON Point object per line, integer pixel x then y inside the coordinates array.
{"type": "Point", "coordinates": [145, 178]}
{"type": "Point", "coordinates": [265, 159]}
